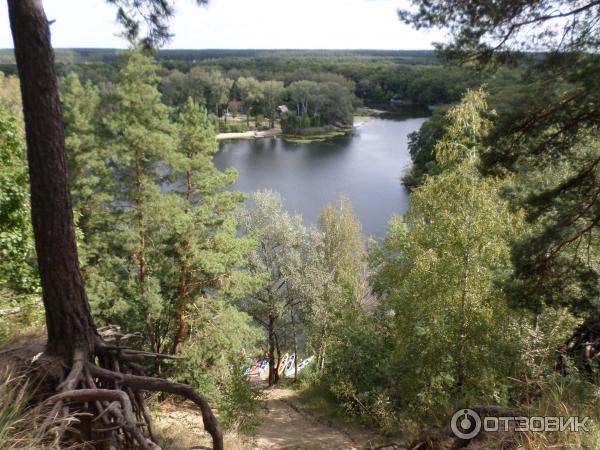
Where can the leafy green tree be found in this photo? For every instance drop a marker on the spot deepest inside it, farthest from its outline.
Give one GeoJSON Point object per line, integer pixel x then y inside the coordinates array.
{"type": "Point", "coordinates": [175, 88]}
{"type": "Point", "coordinates": [319, 104]}
{"type": "Point", "coordinates": [438, 271]}
{"type": "Point", "coordinates": [554, 138]}
{"type": "Point", "coordinates": [251, 93]}
{"type": "Point", "coordinates": [273, 92]}
{"type": "Point", "coordinates": [421, 146]}
{"type": "Point", "coordinates": [280, 238]}
{"type": "Point", "coordinates": [303, 93]}
{"type": "Point", "coordinates": [210, 87]}
{"type": "Point", "coordinates": [18, 273]}
{"type": "Point", "coordinates": [342, 257]}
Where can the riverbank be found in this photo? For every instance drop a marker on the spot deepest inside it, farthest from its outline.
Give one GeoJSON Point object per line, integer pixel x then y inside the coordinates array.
{"type": "Point", "coordinates": [253, 134]}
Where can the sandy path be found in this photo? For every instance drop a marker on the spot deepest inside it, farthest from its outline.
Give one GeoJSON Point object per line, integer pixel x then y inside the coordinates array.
{"type": "Point", "coordinates": [285, 426]}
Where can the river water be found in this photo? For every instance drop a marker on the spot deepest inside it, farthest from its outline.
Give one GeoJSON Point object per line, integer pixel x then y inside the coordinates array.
{"type": "Point", "coordinates": [366, 165]}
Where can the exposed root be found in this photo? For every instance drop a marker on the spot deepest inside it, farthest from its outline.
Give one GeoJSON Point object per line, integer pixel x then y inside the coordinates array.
{"type": "Point", "coordinates": [106, 390]}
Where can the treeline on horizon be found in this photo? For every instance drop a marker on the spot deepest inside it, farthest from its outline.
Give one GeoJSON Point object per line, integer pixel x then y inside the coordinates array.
{"type": "Point", "coordinates": [414, 78]}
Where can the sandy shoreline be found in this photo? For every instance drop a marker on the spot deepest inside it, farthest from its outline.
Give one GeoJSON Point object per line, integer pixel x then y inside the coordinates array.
{"type": "Point", "coordinates": [249, 134]}
{"type": "Point", "coordinates": [358, 122]}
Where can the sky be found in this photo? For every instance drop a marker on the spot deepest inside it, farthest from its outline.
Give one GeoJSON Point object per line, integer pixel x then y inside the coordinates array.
{"type": "Point", "coordinates": [262, 24]}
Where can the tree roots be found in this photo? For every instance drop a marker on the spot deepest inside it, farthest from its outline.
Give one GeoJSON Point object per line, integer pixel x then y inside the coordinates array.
{"type": "Point", "coordinates": [105, 390]}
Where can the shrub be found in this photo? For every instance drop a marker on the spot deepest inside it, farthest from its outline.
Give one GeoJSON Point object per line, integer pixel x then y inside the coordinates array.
{"type": "Point", "coordinates": [240, 403]}
{"type": "Point", "coordinates": [212, 360]}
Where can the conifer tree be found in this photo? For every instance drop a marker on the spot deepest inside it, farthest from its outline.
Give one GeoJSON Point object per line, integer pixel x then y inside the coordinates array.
{"type": "Point", "coordinates": [90, 180]}
{"type": "Point", "coordinates": [203, 212]}
{"type": "Point", "coordinates": [141, 147]}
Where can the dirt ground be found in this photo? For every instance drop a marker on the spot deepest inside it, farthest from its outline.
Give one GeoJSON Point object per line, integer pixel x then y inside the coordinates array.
{"type": "Point", "coordinates": [286, 425]}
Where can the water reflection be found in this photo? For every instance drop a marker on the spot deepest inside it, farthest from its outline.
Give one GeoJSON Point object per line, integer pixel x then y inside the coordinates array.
{"type": "Point", "coordinates": [366, 165]}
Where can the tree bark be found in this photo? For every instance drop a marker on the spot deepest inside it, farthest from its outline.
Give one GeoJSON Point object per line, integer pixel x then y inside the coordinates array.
{"type": "Point", "coordinates": [139, 203]}
{"type": "Point", "coordinates": [183, 272]}
{"type": "Point", "coordinates": [271, 350]}
{"type": "Point", "coordinates": [68, 316]}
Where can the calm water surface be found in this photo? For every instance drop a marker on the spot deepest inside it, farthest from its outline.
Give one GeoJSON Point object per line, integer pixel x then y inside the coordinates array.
{"type": "Point", "coordinates": [366, 165]}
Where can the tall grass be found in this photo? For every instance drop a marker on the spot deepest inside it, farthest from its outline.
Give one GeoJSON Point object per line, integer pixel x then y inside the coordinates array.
{"type": "Point", "coordinates": [566, 396]}
{"type": "Point", "coordinates": [16, 419]}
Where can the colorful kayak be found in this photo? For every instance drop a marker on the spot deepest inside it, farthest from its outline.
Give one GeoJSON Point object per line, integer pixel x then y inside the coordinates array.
{"type": "Point", "coordinates": [283, 363]}
{"type": "Point", "coordinates": [289, 373]}
{"type": "Point", "coordinates": [264, 370]}
{"type": "Point", "coordinates": [289, 369]}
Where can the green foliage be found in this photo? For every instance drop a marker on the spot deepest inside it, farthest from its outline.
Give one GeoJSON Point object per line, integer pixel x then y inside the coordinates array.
{"type": "Point", "coordinates": [421, 146]}
{"type": "Point", "coordinates": [336, 291]}
{"type": "Point", "coordinates": [437, 273]}
{"type": "Point", "coordinates": [139, 136]}
{"type": "Point", "coordinates": [547, 134]}
{"type": "Point", "coordinates": [221, 335]}
{"type": "Point", "coordinates": [317, 105]}
{"type": "Point", "coordinates": [241, 404]}
{"type": "Point", "coordinates": [156, 218]}
{"type": "Point", "coordinates": [359, 374]}
{"type": "Point", "coordinates": [279, 241]}
{"type": "Point", "coordinates": [17, 258]}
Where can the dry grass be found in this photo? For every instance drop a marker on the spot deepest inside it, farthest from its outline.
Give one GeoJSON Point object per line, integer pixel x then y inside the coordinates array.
{"type": "Point", "coordinates": [178, 426]}
{"type": "Point", "coordinates": [564, 397]}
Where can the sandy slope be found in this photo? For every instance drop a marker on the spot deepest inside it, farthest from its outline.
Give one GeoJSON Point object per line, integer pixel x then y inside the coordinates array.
{"type": "Point", "coordinates": [285, 426]}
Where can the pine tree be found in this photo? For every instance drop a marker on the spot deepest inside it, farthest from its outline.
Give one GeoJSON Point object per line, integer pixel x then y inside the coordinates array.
{"type": "Point", "coordinates": [141, 149]}
{"type": "Point", "coordinates": [90, 180]}
{"type": "Point", "coordinates": [205, 225]}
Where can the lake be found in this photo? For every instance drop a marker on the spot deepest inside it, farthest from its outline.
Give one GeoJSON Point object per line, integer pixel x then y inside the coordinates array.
{"type": "Point", "coordinates": [366, 165]}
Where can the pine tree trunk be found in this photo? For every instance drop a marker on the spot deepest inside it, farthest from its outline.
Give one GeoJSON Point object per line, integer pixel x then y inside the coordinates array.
{"type": "Point", "coordinates": [183, 289]}
{"type": "Point", "coordinates": [139, 203]}
{"type": "Point", "coordinates": [68, 316]}
{"type": "Point", "coordinates": [183, 273]}
{"type": "Point", "coordinates": [271, 332]}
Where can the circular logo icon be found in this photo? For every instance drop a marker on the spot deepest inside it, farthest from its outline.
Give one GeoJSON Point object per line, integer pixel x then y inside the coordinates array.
{"type": "Point", "coordinates": [465, 424]}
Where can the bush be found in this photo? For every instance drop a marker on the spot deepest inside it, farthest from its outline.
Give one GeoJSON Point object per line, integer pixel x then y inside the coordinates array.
{"type": "Point", "coordinates": [212, 360]}
{"type": "Point", "coordinates": [231, 127]}
{"type": "Point", "coordinates": [240, 403]}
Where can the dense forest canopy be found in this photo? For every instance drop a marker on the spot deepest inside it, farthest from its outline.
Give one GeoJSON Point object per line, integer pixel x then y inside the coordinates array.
{"type": "Point", "coordinates": [127, 248]}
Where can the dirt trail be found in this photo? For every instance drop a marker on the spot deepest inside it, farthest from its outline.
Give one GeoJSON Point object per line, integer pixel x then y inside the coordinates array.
{"type": "Point", "coordinates": [285, 425]}
{"type": "Point", "coordinates": [288, 426]}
